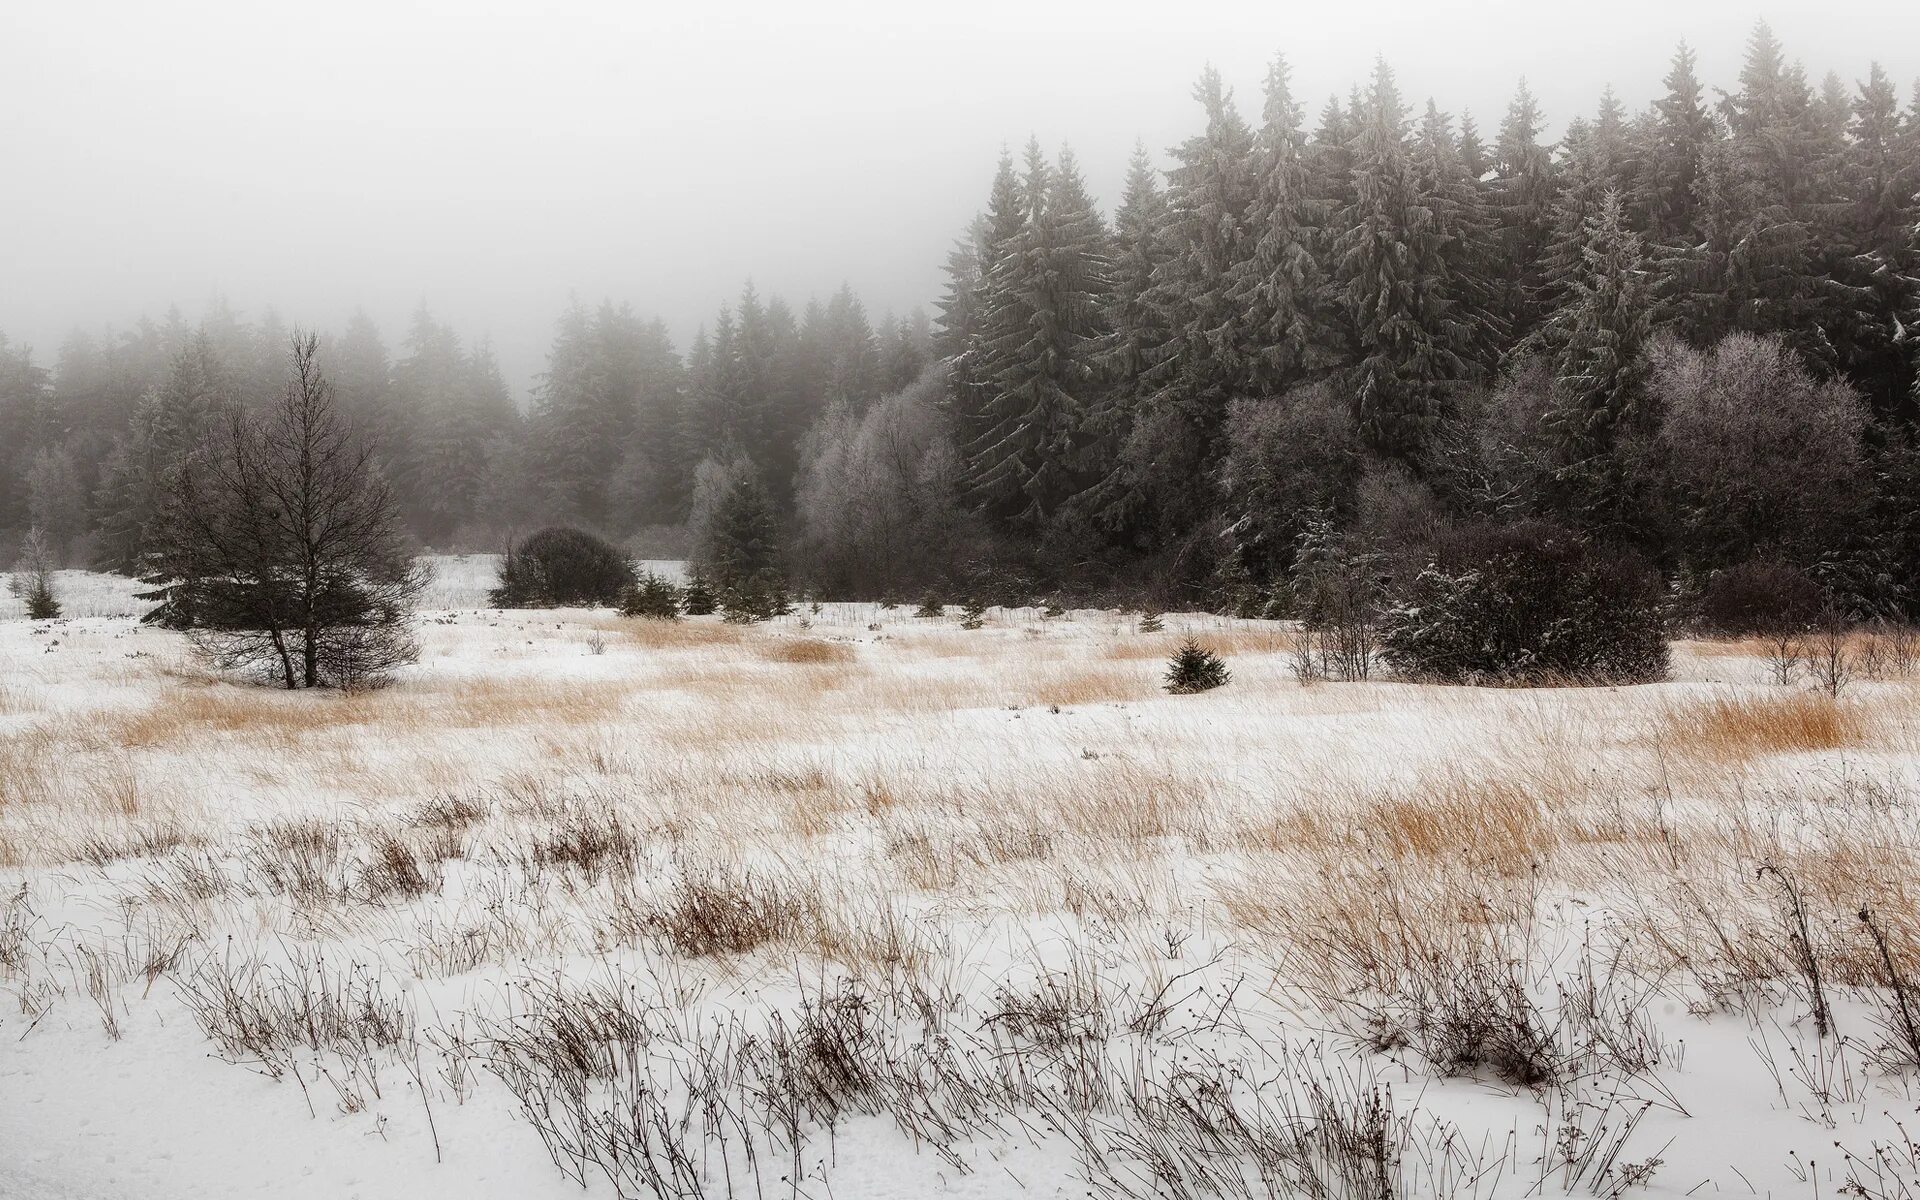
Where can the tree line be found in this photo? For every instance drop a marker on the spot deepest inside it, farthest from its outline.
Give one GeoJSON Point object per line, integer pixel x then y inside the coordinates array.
{"type": "Point", "coordinates": [1680, 333]}
{"type": "Point", "coordinates": [1683, 331]}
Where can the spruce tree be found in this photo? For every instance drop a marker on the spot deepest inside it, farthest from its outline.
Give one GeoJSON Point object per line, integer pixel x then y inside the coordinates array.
{"type": "Point", "coordinates": [1210, 194]}
{"type": "Point", "coordinates": [1463, 228]}
{"type": "Point", "coordinates": [1599, 334]}
{"type": "Point", "coordinates": [1203, 362]}
{"type": "Point", "coordinates": [960, 338]}
{"type": "Point", "coordinates": [1042, 324]}
{"type": "Point", "coordinates": [1880, 266]}
{"type": "Point", "coordinates": [1136, 329]}
{"type": "Point", "coordinates": [1523, 194]}
{"type": "Point", "coordinates": [741, 555]}
{"type": "Point", "coordinates": [1773, 191]}
{"type": "Point", "coordinates": [198, 395]}
{"type": "Point", "coordinates": [1277, 281]}
{"type": "Point", "coordinates": [1683, 129]}
{"type": "Point", "coordinates": [1391, 273]}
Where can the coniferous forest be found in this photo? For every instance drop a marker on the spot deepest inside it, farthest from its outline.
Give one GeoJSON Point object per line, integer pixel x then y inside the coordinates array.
{"type": "Point", "coordinates": [1359, 337]}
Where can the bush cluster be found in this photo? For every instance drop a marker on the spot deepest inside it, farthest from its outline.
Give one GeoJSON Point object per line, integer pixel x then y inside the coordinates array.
{"type": "Point", "coordinates": [652, 597]}
{"type": "Point", "coordinates": [1529, 604]}
{"type": "Point", "coordinates": [562, 566]}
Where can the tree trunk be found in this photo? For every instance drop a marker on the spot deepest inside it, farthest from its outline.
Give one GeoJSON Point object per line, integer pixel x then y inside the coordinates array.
{"type": "Point", "coordinates": [286, 659]}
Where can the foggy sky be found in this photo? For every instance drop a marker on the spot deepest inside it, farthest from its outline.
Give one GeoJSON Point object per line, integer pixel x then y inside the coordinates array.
{"type": "Point", "coordinates": [492, 159]}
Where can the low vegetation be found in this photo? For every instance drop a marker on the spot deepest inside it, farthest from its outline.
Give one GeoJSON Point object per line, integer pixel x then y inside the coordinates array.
{"type": "Point", "coordinates": [720, 908]}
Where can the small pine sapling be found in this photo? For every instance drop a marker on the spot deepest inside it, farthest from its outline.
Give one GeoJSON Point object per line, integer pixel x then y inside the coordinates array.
{"type": "Point", "coordinates": [652, 597]}
{"type": "Point", "coordinates": [930, 607]}
{"type": "Point", "coordinates": [698, 600]}
{"type": "Point", "coordinates": [32, 579]}
{"type": "Point", "coordinates": [739, 607]}
{"type": "Point", "coordinates": [1150, 622]}
{"type": "Point", "coordinates": [974, 615]}
{"type": "Point", "coordinates": [1195, 669]}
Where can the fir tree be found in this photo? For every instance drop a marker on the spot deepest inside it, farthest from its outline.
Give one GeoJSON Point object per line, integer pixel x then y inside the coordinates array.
{"type": "Point", "coordinates": [32, 578]}
{"type": "Point", "coordinates": [960, 338]}
{"type": "Point", "coordinates": [1042, 326]}
{"type": "Point", "coordinates": [651, 597]}
{"type": "Point", "coordinates": [1277, 281]}
{"type": "Point", "coordinates": [1195, 669]}
{"type": "Point", "coordinates": [1523, 193]}
{"type": "Point", "coordinates": [1683, 130]}
{"type": "Point", "coordinates": [197, 395]}
{"type": "Point", "coordinates": [1203, 363]}
{"type": "Point", "coordinates": [1391, 274]}
{"type": "Point", "coordinates": [1600, 332]}
{"type": "Point", "coordinates": [1463, 228]}
{"type": "Point", "coordinates": [973, 615]}
{"type": "Point", "coordinates": [1880, 263]}
{"type": "Point", "coordinates": [742, 550]}
{"type": "Point", "coordinates": [698, 600]}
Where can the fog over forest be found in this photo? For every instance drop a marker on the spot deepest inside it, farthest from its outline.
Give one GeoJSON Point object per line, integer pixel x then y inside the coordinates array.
{"type": "Point", "coordinates": [860, 600]}
{"type": "Point", "coordinates": [490, 160]}
{"type": "Point", "coordinates": [1004, 304]}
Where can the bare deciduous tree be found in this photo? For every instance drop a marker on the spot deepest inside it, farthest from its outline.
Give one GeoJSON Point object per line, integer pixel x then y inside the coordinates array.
{"type": "Point", "coordinates": [281, 548]}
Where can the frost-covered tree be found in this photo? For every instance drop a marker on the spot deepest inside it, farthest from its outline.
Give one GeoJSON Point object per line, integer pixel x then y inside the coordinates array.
{"type": "Point", "coordinates": [1523, 193]}
{"type": "Point", "coordinates": [1599, 336]}
{"type": "Point", "coordinates": [1043, 322]}
{"type": "Point", "coordinates": [1391, 274]}
{"type": "Point", "coordinates": [1276, 279]}
{"type": "Point", "coordinates": [173, 419]}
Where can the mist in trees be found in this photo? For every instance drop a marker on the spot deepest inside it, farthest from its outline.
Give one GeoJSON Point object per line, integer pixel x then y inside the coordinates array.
{"type": "Point", "coordinates": [1309, 332]}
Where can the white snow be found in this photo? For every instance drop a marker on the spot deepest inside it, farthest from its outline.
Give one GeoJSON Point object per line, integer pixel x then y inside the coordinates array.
{"type": "Point", "coordinates": [958, 826]}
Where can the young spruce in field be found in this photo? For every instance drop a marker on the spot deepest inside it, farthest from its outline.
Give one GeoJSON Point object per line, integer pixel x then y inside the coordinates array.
{"type": "Point", "coordinates": [1195, 669]}
{"type": "Point", "coordinates": [652, 597]}
{"type": "Point", "coordinates": [698, 600]}
{"type": "Point", "coordinates": [974, 615]}
{"type": "Point", "coordinates": [32, 578]}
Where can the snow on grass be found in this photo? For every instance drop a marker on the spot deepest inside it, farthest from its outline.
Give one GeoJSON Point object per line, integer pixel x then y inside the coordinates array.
{"type": "Point", "coordinates": [859, 904]}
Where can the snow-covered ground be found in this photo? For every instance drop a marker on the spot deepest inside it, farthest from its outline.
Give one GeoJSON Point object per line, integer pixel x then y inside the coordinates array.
{"type": "Point", "coordinates": [858, 904]}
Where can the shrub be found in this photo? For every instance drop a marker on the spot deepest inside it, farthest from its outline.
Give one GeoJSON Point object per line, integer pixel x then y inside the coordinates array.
{"type": "Point", "coordinates": [1195, 669]}
{"type": "Point", "coordinates": [1520, 604]}
{"type": "Point", "coordinates": [1337, 593]}
{"type": "Point", "coordinates": [1151, 622]}
{"type": "Point", "coordinates": [930, 607]}
{"type": "Point", "coordinates": [562, 566]}
{"type": "Point", "coordinates": [974, 615]}
{"type": "Point", "coordinates": [652, 597]}
{"type": "Point", "coordinates": [698, 599]}
{"type": "Point", "coordinates": [1759, 596]}
{"type": "Point", "coordinates": [756, 599]}
{"type": "Point", "coordinates": [32, 578]}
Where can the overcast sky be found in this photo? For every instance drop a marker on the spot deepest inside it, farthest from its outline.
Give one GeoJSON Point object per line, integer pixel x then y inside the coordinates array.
{"type": "Point", "coordinates": [490, 159]}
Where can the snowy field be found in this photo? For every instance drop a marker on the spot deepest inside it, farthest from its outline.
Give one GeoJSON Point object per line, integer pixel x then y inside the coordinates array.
{"type": "Point", "coordinates": [854, 904]}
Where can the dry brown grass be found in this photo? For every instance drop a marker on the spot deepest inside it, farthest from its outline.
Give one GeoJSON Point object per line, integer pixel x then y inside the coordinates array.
{"type": "Point", "coordinates": [506, 702]}
{"type": "Point", "coordinates": [1502, 825]}
{"type": "Point", "coordinates": [1095, 685]}
{"type": "Point", "coordinates": [226, 709]}
{"type": "Point", "coordinates": [669, 635]}
{"type": "Point", "coordinates": [1734, 727]}
{"type": "Point", "coordinates": [26, 760]}
{"type": "Point", "coordinates": [810, 652]}
{"type": "Point", "coordinates": [1253, 640]}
